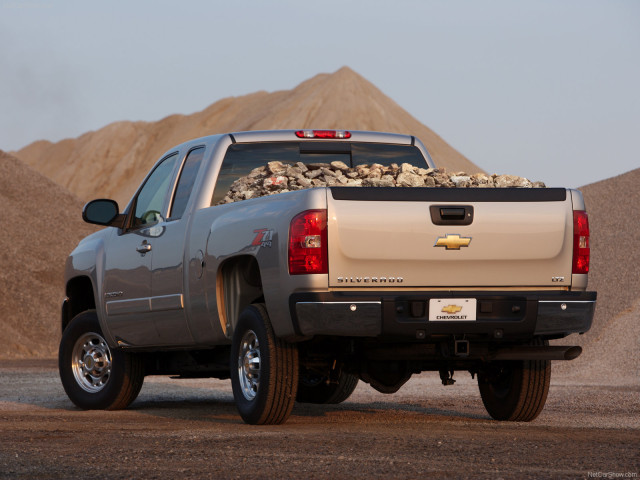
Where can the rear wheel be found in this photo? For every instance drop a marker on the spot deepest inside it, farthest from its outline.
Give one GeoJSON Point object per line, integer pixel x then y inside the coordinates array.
{"type": "Point", "coordinates": [93, 375]}
{"type": "Point", "coordinates": [264, 369]}
{"type": "Point", "coordinates": [515, 390]}
{"type": "Point", "coordinates": [316, 388]}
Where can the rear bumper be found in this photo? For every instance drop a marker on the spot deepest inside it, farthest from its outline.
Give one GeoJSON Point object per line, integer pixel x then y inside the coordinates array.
{"type": "Point", "coordinates": [404, 316]}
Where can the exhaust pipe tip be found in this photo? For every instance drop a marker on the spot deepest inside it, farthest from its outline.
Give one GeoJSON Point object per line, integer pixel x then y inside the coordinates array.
{"type": "Point", "coordinates": [572, 353]}
{"type": "Point", "coordinates": [526, 352]}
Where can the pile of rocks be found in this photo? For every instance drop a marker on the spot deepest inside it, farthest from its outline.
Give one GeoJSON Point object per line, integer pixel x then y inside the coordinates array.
{"type": "Point", "coordinates": [277, 177]}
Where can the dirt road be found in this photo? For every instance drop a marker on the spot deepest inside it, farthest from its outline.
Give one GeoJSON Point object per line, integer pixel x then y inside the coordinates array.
{"type": "Point", "coordinates": [190, 429]}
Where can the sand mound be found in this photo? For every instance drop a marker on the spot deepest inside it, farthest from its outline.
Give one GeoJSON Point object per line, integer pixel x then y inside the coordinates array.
{"type": "Point", "coordinates": [612, 346]}
{"type": "Point", "coordinates": [112, 161]}
{"type": "Point", "coordinates": [614, 220]}
{"type": "Point", "coordinates": [613, 357]}
{"type": "Point", "coordinates": [40, 224]}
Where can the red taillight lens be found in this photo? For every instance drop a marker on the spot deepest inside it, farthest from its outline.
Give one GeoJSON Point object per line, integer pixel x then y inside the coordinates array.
{"type": "Point", "coordinates": [323, 134]}
{"type": "Point", "coordinates": [308, 243]}
{"type": "Point", "coordinates": [581, 250]}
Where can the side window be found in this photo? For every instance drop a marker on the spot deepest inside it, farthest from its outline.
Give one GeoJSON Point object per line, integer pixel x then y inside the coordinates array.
{"type": "Point", "coordinates": [150, 200]}
{"type": "Point", "coordinates": [185, 184]}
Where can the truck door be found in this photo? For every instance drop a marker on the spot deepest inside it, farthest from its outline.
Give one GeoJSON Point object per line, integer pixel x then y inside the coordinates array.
{"type": "Point", "coordinates": [128, 262]}
{"type": "Point", "coordinates": [167, 292]}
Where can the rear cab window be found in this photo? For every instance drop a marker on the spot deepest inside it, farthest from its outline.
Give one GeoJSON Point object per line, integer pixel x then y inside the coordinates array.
{"type": "Point", "coordinates": [242, 158]}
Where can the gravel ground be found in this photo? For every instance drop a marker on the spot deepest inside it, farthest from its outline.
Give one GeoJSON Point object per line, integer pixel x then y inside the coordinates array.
{"type": "Point", "coordinates": [190, 429]}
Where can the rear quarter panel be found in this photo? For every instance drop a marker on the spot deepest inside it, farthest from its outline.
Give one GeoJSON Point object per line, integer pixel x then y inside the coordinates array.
{"type": "Point", "coordinates": [258, 228]}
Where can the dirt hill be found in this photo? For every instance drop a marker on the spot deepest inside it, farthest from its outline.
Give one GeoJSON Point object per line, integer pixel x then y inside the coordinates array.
{"type": "Point", "coordinates": [111, 162]}
{"type": "Point", "coordinates": [612, 346]}
{"type": "Point", "coordinates": [39, 225]}
{"type": "Point", "coordinates": [614, 222]}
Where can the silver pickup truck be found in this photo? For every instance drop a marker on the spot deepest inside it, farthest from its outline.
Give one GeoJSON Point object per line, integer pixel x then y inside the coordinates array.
{"type": "Point", "coordinates": [299, 295]}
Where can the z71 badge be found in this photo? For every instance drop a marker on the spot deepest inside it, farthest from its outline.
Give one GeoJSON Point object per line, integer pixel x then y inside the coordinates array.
{"type": "Point", "coordinates": [263, 237]}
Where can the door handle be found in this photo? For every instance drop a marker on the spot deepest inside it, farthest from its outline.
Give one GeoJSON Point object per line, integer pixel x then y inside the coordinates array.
{"type": "Point", "coordinates": [144, 248]}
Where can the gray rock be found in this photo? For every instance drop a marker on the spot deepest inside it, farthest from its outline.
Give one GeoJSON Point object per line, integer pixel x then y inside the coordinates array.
{"type": "Point", "coordinates": [363, 170]}
{"type": "Point", "coordinates": [313, 173]}
{"type": "Point", "coordinates": [275, 183]}
{"type": "Point", "coordinates": [387, 181]}
{"type": "Point", "coordinates": [407, 168]}
{"type": "Point", "coordinates": [331, 173]}
{"type": "Point", "coordinates": [277, 177]}
{"type": "Point", "coordinates": [481, 178]}
{"type": "Point", "coordinates": [316, 166]}
{"type": "Point", "coordinates": [505, 181]}
{"type": "Point", "coordinates": [371, 182]}
{"type": "Point", "coordinates": [461, 181]}
{"type": "Point", "coordinates": [258, 172]}
{"type": "Point", "coordinates": [293, 171]}
{"type": "Point", "coordinates": [338, 165]}
{"type": "Point", "coordinates": [409, 179]}
{"type": "Point", "coordinates": [330, 180]}
{"type": "Point", "coordinates": [276, 168]}
{"type": "Point", "coordinates": [303, 181]}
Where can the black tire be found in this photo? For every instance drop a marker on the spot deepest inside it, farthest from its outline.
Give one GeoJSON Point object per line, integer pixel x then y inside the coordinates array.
{"type": "Point", "coordinates": [264, 370]}
{"type": "Point", "coordinates": [515, 390]}
{"type": "Point", "coordinates": [95, 376]}
{"type": "Point", "coordinates": [313, 388]}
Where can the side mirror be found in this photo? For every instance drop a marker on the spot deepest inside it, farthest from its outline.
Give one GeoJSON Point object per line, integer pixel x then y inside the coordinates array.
{"type": "Point", "coordinates": [103, 212]}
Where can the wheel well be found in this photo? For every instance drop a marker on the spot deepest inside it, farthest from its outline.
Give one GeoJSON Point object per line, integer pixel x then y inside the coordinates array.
{"type": "Point", "coordinates": [239, 284]}
{"type": "Point", "coordinates": [80, 298]}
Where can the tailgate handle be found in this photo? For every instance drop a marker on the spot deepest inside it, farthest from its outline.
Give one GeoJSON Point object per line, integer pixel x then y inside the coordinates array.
{"type": "Point", "coordinates": [451, 214]}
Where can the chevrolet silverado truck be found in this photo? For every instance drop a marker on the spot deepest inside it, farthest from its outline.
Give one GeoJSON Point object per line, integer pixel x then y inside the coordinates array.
{"type": "Point", "coordinates": [298, 296]}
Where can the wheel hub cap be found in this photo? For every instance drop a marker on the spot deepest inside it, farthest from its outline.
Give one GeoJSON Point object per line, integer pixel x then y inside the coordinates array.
{"type": "Point", "coordinates": [91, 362]}
{"type": "Point", "coordinates": [249, 365]}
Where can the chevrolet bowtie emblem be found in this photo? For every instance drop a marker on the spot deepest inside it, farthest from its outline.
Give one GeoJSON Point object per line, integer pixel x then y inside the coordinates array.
{"type": "Point", "coordinates": [452, 242]}
{"type": "Point", "coordinates": [451, 309]}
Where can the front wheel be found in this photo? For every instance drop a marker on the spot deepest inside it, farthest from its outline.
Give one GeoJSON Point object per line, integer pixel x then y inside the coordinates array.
{"type": "Point", "coordinates": [264, 369]}
{"type": "Point", "coordinates": [515, 390]}
{"type": "Point", "coordinates": [94, 376]}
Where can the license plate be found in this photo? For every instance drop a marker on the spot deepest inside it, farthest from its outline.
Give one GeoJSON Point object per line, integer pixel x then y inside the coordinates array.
{"type": "Point", "coordinates": [452, 309]}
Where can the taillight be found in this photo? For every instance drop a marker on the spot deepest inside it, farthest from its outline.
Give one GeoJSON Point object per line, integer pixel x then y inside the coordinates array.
{"type": "Point", "coordinates": [308, 243]}
{"type": "Point", "coordinates": [323, 134]}
{"type": "Point", "coordinates": [581, 251]}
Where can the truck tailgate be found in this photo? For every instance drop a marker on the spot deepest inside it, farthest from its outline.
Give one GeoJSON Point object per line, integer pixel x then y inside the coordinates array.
{"type": "Point", "coordinates": [389, 237]}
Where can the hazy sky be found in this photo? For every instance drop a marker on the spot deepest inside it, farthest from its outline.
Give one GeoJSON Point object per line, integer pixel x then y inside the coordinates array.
{"type": "Point", "coordinates": [545, 89]}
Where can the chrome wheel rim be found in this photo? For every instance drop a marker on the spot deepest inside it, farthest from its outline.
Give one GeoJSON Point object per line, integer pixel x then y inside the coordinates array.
{"type": "Point", "coordinates": [91, 362]}
{"type": "Point", "coordinates": [249, 365]}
